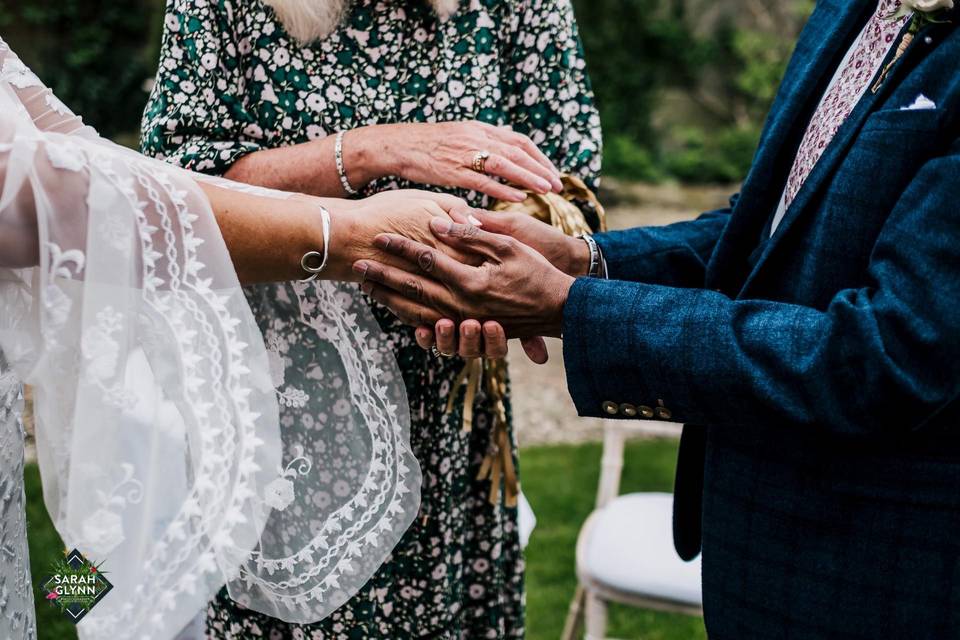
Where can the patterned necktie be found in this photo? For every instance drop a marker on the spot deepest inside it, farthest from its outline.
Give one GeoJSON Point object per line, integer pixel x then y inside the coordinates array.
{"type": "Point", "coordinates": [862, 64]}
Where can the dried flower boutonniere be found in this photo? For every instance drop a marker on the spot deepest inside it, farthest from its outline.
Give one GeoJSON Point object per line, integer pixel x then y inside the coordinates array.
{"type": "Point", "coordinates": [924, 12]}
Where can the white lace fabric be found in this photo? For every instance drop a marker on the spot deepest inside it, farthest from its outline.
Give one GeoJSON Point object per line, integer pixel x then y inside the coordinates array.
{"type": "Point", "coordinates": [156, 410]}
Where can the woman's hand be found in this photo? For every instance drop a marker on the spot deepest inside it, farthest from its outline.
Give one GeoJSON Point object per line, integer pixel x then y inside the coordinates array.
{"type": "Point", "coordinates": [442, 154]}
{"type": "Point", "coordinates": [408, 213]}
{"type": "Point", "coordinates": [438, 153]}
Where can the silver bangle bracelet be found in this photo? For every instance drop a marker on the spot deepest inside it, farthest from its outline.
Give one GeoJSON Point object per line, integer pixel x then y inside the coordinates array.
{"type": "Point", "coordinates": [309, 259]}
{"type": "Point", "coordinates": [598, 266]}
{"type": "Point", "coordinates": [338, 154]}
{"type": "Point", "coordinates": [594, 255]}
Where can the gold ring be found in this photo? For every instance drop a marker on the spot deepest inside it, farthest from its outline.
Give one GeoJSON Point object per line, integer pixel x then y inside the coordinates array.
{"type": "Point", "coordinates": [480, 161]}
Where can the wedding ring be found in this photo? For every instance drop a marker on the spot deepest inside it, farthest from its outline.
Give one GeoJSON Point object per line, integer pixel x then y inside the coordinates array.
{"type": "Point", "coordinates": [480, 161]}
{"type": "Point", "coordinates": [439, 354]}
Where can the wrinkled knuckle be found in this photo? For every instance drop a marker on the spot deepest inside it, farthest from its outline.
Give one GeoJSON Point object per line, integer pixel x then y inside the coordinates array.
{"type": "Point", "coordinates": [470, 232]}
{"type": "Point", "coordinates": [427, 260]}
{"type": "Point", "coordinates": [473, 286]}
{"type": "Point", "coordinates": [505, 246]}
{"type": "Point", "coordinates": [413, 289]}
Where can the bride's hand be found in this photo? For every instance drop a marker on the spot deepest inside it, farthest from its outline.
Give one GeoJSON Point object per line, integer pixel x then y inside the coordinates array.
{"type": "Point", "coordinates": [404, 212]}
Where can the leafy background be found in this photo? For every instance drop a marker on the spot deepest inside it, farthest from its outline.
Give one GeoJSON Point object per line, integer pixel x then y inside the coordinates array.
{"type": "Point", "coordinates": [682, 85]}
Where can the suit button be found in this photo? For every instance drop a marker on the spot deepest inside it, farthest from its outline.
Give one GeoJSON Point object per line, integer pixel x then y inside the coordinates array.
{"type": "Point", "coordinates": [646, 412]}
{"type": "Point", "coordinates": [663, 413]}
{"type": "Point", "coordinates": [628, 410]}
{"type": "Point", "coordinates": [610, 408]}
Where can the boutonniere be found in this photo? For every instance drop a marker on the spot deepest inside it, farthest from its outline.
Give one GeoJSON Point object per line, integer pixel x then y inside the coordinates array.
{"type": "Point", "coordinates": [924, 12]}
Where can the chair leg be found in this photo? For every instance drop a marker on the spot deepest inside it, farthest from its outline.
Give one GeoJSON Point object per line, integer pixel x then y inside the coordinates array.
{"type": "Point", "coordinates": [596, 617]}
{"type": "Point", "coordinates": [574, 615]}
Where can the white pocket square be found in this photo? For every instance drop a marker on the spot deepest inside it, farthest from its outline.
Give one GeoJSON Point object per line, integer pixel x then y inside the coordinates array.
{"type": "Point", "coordinates": [921, 103]}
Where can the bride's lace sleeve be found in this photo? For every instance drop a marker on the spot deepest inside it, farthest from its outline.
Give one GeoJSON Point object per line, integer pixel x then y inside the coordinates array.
{"type": "Point", "coordinates": [156, 410]}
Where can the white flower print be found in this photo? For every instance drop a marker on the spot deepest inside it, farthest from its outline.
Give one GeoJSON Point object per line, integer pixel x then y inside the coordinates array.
{"type": "Point", "coordinates": [279, 494]}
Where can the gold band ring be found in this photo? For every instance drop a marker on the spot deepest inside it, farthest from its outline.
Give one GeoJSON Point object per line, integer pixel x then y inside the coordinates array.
{"type": "Point", "coordinates": [480, 161]}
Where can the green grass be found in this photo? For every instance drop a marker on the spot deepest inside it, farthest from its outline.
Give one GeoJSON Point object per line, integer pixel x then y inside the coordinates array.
{"type": "Point", "coordinates": [45, 548]}
{"type": "Point", "coordinates": [559, 481]}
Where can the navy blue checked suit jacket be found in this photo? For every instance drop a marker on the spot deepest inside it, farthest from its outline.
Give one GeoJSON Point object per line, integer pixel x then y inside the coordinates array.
{"type": "Point", "coordinates": [823, 364]}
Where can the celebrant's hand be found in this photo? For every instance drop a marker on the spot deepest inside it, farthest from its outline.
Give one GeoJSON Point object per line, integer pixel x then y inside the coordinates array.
{"type": "Point", "coordinates": [515, 285]}
{"type": "Point", "coordinates": [443, 154]}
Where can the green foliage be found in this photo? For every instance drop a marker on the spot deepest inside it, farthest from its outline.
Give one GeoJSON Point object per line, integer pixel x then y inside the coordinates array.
{"type": "Point", "coordinates": [724, 58]}
{"type": "Point", "coordinates": [95, 54]}
{"type": "Point", "coordinates": [625, 158]}
{"type": "Point", "coordinates": [722, 157]}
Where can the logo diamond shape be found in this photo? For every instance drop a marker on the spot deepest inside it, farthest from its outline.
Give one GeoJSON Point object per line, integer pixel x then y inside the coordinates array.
{"type": "Point", "coordinates": [75, 586]}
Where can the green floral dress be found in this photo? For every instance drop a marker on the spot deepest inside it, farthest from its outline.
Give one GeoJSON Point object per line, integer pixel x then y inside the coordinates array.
{"type": "Point", "coordinates": [231, 82]}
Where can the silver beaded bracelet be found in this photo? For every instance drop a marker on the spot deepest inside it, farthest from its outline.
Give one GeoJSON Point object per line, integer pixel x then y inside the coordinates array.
{"type": "Point", "coordinates": [311, 257]}
{"type": "Point", "coordinates": [338, 152]}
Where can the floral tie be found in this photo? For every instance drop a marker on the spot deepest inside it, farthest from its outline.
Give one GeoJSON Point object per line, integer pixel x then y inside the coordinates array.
{"type": "Point", "coordinates": [848, 87]}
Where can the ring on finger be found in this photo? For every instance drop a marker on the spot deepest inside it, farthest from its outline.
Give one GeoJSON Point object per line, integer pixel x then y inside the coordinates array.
{"type": "Point", "coordinates": [439, 354]}
{"type": "Point", "coordinates": [480, 161]}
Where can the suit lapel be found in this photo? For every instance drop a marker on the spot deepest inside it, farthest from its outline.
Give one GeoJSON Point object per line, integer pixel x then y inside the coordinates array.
{"type": "Point", "coordinates": [820, 49]}
{"type": "Point", "coordinates": [834, 153]}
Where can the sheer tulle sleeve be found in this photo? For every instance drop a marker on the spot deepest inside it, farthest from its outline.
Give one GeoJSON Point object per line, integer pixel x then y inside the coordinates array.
{"type": "Point", "coordinates": [156, 405]}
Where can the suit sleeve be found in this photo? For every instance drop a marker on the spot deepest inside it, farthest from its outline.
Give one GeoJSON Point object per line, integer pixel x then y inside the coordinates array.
{"type": "Point", "coordinates": [883, 357]}
{"type": "Point", "coordinates": [675, 255]}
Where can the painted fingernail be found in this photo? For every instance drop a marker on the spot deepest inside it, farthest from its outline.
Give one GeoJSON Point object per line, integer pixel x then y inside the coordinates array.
{"type": "Point", "coordinates": [381, 242]}
{"type": "Point", "coordinates": [474, 221]}
{"type": "Point", "coordinates": [361, 268]}
{"type": "Point", "coordinates": [543, 186]}
{"type": "Point", "coordinates": [440, 225]}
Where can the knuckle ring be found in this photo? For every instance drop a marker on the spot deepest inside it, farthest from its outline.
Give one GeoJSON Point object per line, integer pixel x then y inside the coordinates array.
{"type": "Point", "coordinates": [480, 161]}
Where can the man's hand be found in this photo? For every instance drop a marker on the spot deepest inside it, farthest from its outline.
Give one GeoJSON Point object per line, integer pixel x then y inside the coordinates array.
{"type": "Point", "coordinates": [567, 254]}
{"type": "Point", "coordinates": [570, 255]}
{"type": "Point", "coordinates": [516, 285]}
{"type": "Point", "coordinates": [477, 341]}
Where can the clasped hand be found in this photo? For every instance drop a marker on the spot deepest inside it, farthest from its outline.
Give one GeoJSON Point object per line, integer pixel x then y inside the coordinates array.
{"type": "Point", "coordinates": [515, 284]}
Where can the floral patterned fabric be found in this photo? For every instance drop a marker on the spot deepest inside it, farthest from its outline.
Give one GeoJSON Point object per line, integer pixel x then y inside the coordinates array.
{"type": "Point", "coordinates": [852, 81]}
{"type": "Point", "coordinates": [232, 82]}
